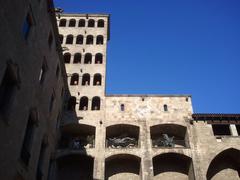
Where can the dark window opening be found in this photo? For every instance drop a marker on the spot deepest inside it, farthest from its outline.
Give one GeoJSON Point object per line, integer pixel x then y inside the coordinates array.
{"type": "Point", "coordinates": [28, 138]}
{"type": "Point", "coordinates": [69, 39]}
{"type": "Point", "coordinates": [61, 38]}
{"type": "Point", "coordinates": [88, 58]}
{"type": "Point", "coordinates": [72, 103]}
{"type": "Point", "coordinates": [63, 23]}
{"type": "Point", "coordinates": [96, 103]}
{"type": "Point", "coordinates": [97, 80]}
{"type": "Point", "coordinates": [101, 23]}
{"type": "Point", "coordinates": [67, 58]}
{"type": "Point", "coordinates": [74, 79]}
{"type": "Point", "coordinates": [72, 23]}
{"type": "Point", "coordinates": [91, 23]}
{"type": "Point", "coordinates": [27, 25]}
{"type": "Point", "coordinates": [98, 58]}
{"type": "Point", "coordinates": [77, 58]}
{"type": "Point", "coordinates": [122, 107]}
{"type": "Point", "coordinates": [165, 107]}
{"type": "Point", "coordinates": [89, 39]}
{"type": "Point", "coordinates": [86, 80]}
{"type": "Point", "coordinates": [81, 23]}
{"type": "Point", "coordinates": [39, 175]}
{"type": "Point", "coordinates": [238, 129]}
{"type": "Point", "coordinates": [8, 87]}
{"type": "Point", "coordinates": [99, 39]}
{"type": "Point", "coordinates": [79, 39]}
{"type": "Point", "coordinates": [50, 39]}
{"type": "Point", "coordinates": [221, 130]}
{"type": "Point", "coordinates": [83, 103]}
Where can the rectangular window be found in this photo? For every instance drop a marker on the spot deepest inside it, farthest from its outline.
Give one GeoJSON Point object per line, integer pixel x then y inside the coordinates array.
{"type": "Point", "coordinates": [221, 129]}
{"type": "Point", "coordinates": [27, 25]}
{"type": "Point", "coordinates": [122, 107]}
{"type": "Point", "coordinates": [28, 138]}
{"type": "Point", "coordinates": [8, 87]}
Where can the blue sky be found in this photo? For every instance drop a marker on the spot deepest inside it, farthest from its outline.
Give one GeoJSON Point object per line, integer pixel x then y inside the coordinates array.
{"type": "Point", "coordinates": [172, 47]}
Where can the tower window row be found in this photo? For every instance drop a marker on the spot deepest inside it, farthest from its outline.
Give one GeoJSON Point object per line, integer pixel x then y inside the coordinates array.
{"type": "Point", "coordinates": [81, 23]}
{"type": "Point", "coordinates": [87, 59]}
{"type": "Point", "coordinates": [84, 103]}
{"type": "Point", "coordinates": [90, 39]}
{"type": "Point", "coordinates": [97, 79]}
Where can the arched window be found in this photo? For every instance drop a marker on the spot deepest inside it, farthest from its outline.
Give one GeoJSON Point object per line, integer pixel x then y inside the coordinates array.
{"type": "Point", "coordinates": [89, 39]}
{"type": "Point", "coordinates": [100, 23]}
{"type": "Point", "coordinates": [96, 103]}
{"type": "Point", "coordinates": [62, 22]}
{"type": "Point", "coordinates": [165, 107]}
{"type": "Point", "coordinates": [88, 58]}
{"type": "Point", "coordinates": [79, 39]}
{"type": "Point", "coordinates": [98, 58]}
{"type": "Point", "coordinates": [61, 38]}
{"type": "Point", "coordinates": [74, 79]}
{"type": "Point", "coordinates": [71, 103]}
{"type": "Point", "coordinates": [97, 80]}
{"type": "Point", "coordinates": [69, 39]}
{"type": "Point", "coordinates": [72, 23]}
{"type": "Point", "coordinates": [83, 103]}
{"type": "Point", "coordinates": [81, 23]}
{"type": "Point", "coordinates": [91, 23]}
{"type": "Point", "coordinates": [99, 39]}
{"type": "Point", "coordinates": [77, 58]}
{"type": "Point", "coordinates": [67, 57]}
{"type": "Point", "coordinates": [86, 80]}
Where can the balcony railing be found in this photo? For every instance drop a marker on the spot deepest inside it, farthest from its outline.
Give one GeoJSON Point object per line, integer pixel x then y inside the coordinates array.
{"type": "Point", "coordinates": [123, 142]}
{"type": "Point", "coordinates": [167, 142]}
{"type": "Point", "coordinates": [78, 143]}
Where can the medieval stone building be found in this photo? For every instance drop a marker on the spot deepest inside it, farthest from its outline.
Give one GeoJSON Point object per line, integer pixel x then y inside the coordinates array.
{"type": "Point", "coordinates": [57, 123]}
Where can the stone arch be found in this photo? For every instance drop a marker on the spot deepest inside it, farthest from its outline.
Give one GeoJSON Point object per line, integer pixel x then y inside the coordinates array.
{"type": "Point", "coordinates": [173, 166]}
{"type": "Point", "coordinates": [225, 165]}
{"type": "Point", "coordinates": [122, 136]}
{"type": "Point", "coordinates": [177, 134]}
{"type": "Point", "coordinates": [75, 167]}
{"type": "Point", "coordinates": [122, 167]}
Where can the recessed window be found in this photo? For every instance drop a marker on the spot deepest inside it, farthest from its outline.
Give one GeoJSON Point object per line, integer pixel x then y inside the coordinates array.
{"type": "Point", "coordinates": [83, 103]}
{"type": "Point", "coordinates": [221, 129]}
{"type": "Point", "coordinates": [79, 39]}
{"type": "Point", "coordinates": [96, 103]}
{"type": "Point", "coordinates": [99, 39]}
{"type": "Point", "coordinates": [77, 58]}
{"type": "Point", "coordinates": [27, 25]}
{"type": "Point", "coordinates": [28, 137]}
{"type": "Point", "coordinates": [165, 107]}
{"type": "Point", "coordinates": [122, 107]}
{"type": "Point", "coordinates": [100, 23]}
{"type": "Point", "coordinates": [89, 39]}
{"type": "Point", "coordinates": [98, 58]}
{"type": "Point", "coordinates": [63, 23]}
{"type": "Point", "coordinates": [67, 58]}
{"type": "Point", "coordinates": [97, 80]}
{"type": "Point", "coordinates": [72, 23]}
{"type": "Point", "coordinates": [86, 80]}
{"type": "Point", "coordinates": [8, 86]}
{"type": "Point", "coordinates": [91, 23]}
{"type": "Point", "coordinates": [88, 58]}
{"type": "Point", "coordinates": [69, 39]}
{"type": "Point", "coordinates": [81, 23]}
{"type": "Point", "coordinates": [74, 79]}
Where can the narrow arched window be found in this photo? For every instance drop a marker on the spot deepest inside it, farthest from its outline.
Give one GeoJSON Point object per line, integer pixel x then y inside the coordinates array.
{"type": "Point", "coordinates": [88, 58]}
{"type": "Point", "coordinates": [72, 23]}
{"type": "Point", "coordinates": [74, 79]}
{"type": "Point", "coordinates": [62, 22]}
{"type": "Point", "coordinates": [83, 103]}
{"type": "Point", "coordinates": [86, 80]}
{"type": "Point", "coordinates": [91, 23]}
{"type": "Point", "coordinates": [69, 39]}
{"type": "Point", "coordinates": [61, 38]}
{"type": "Point", "coordinates": [77, 58]}
{"type": "Point", "coordinates": [122, 107]}
{"type": "Point", "coordinates": [79, 39]}
{"type": "Point", "coordinates": [165, 107]}
{"type": "Point", "coordinates": [97, 80]}
{"type": "Point", "coordinates": [96, 103]}
{"type": "Point", "coordinates": [89, 39]}
{"type": "Point", "coordinates": [100, 23]}
{"type": "Point", "coordinates": [81, 23]}
{"type": "Point", "coordinates": [67, 58]}
{"type": "Point", "coordinates": [98, 58]}
{"type": "Point", "coordinates": [99, 39]}
{"type": "Point", "coordinates": [72, 103]}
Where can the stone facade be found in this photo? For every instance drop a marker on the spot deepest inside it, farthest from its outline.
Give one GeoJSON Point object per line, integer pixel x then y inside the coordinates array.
{"type": "Point", "coordinates": [32, 85]}
{"type": "Point", "coordinates": [133, 136]}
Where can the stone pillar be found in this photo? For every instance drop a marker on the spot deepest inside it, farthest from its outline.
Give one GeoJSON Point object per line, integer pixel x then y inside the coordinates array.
{"type": "Point", "coordinates": [233, 130]}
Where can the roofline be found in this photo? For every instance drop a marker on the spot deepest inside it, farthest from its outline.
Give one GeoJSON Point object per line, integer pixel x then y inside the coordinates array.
{"type": "Point", "coordinates": [148, 95]}
{"type": "Point", "coordinates": [215, 116]}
